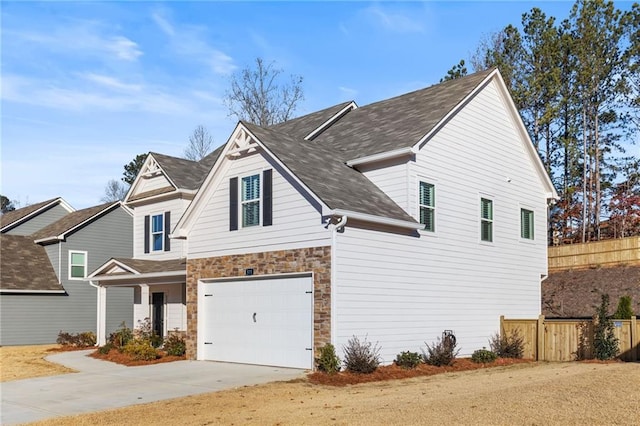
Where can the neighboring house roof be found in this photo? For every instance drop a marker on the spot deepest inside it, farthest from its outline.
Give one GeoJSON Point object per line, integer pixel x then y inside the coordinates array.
{"type": "Point", "coordinates": [577, 293]}
{"type": "Point", "coordinates": [13, 218]}
{"type": "Point", "coordinates": [398, 122]}
{"type": "Point", "coordinates": [70, 223]}
{"type": "Point", "coordinates": [26, 267]}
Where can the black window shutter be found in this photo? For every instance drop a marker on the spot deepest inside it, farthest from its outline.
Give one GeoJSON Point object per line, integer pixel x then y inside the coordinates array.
{"type": "Point", "coordinates": [233, 204]}
{"type": "Point", "coordinates": [167, 230]}
{"type": "Point", "coordinates": [146, 233]}
{"type": "Point", "coordinates": [267, 198]}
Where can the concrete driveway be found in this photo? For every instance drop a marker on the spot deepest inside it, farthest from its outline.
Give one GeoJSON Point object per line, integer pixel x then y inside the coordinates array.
{"type": "Point", "coordinates": [102, 385]}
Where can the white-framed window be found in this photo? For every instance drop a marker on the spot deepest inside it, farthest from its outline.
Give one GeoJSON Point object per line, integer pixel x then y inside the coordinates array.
{"type": "Point", "coordinates": [157, 232]}
{"type": "Point", "coordinates": [427, 205]}
{"type": "Point", "coordinates": [250, 200]}
{"type": "Point", "coordinates": [486, 219]}
{"type": "Point", "coordinates": [77, 264]}
{"type": "Point", "coordinates": [526, 224]}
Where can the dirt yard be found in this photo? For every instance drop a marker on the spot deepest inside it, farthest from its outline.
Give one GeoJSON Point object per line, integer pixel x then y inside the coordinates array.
{"type": "Point", "coordinates": [25, 362]}
{"type": "Point", "coordinates": [532, 394]}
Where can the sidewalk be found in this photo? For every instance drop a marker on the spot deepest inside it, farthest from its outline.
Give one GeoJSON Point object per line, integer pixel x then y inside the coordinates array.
{"type": "Point", "coordinates": [102, 385]}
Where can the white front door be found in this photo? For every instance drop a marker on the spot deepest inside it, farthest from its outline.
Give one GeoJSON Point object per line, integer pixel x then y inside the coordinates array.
{"type": "Point", "coordinates": [266, 321]}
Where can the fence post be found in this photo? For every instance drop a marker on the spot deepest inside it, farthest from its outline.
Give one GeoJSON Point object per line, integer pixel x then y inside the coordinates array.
{"type": "Point", "coordinates": [540, 340]}
{"type": "Point", "coordinates": [635, 340]}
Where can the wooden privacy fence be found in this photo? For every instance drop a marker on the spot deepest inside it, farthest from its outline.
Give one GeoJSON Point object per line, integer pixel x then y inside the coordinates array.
{"type": "Point", "coordinates": [621, 251]}
{"type": "Point", "coordinates": [568, 340]}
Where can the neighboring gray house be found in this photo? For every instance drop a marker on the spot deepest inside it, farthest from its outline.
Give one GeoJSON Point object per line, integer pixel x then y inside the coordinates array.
{"type": "Point", "coordinates": [47, 249]}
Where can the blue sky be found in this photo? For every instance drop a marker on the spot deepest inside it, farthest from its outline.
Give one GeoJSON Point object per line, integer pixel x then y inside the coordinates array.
{"type": "Point", "coordinates": [88, 86]}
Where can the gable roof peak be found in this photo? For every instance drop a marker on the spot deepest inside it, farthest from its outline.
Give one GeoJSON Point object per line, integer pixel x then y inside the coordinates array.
{"type": "Point", "coordinates": [13, 218]}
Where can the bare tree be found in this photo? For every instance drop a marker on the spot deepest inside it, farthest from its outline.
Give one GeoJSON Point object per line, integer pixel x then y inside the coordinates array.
{"type": "Point", "coordinates": [262, 96]}
{"type": "Point", "coordinates": [200, 144]}
{"type": "Point", "coordinates": [114, 191]}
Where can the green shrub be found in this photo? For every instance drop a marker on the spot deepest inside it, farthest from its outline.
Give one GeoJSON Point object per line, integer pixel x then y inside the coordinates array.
{"type": "Point", "coordinates": [408, 360]}
{"type": "Point", "coordinates": [361, 357]}
{"type": "Point", "coordinates": [624, 310]}
{"type": "Point", "coordinates": [140, 350]}
{"type": "Point", "coordinates": [605, 343]}
{"type": "Point", "coordinates": [78, 340]}
{"type": "Point", "coordinates": [443, 352]}
{"type": "Point", "coordinates": [144, 331]}
{"type": "Point", "coordinates": [508, 345]}
{"type": "Point", "coordinates": [105, 349]}
{"type": "Point", "coordinates": [328, 361]}
{"type": "Point", "coordinates": [174, 345]}
{"type": "Point", "coordinates": [121, 336]}
{"type": "Point", "coordinates": [483, 356]}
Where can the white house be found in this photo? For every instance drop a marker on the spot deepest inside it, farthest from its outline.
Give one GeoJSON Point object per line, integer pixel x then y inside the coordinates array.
{"type": "Point", "coordinates": [396, 221]}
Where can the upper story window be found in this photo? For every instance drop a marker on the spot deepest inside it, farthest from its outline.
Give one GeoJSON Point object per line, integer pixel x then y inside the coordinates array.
{"type": "Point", "coordinates": [250, 200]}
{"type": "Point", "coordinates": [526, 224]}
{"type": "Point", "coordinates": [77, 265]}
{"type": "Point", "coordinates": [486, 219]}
{"type": "Point", "coordinates": [156, 232]}
{"type": "Point", "coordinates": [427, 201]}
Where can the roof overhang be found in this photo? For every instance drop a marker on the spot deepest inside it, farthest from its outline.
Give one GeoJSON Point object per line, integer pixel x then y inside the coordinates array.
{"type": "Point", "coordinates": [18, 291]}
{"type": "Point", "coordinates": [405, 224]}
{"type": "Point", "coordinates": [137, 276]}
{"type": "Point", "coordinates": [389, 155]}
{"type": "Point", "coordinates": [311, 136]}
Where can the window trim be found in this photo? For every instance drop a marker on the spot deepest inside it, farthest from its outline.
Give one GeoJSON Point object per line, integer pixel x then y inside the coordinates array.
{"type": "Point", "coordinates": [152, 233]}
{"type": "Point", "coordinates": [490, 220]}
{"type": "Point", "coordinates": [85, 254]}
{"type": "Point", "coordinates": [242, 203]}
{"type": "Point", "coordinates": [432, 207]}
{"type": "Point", "coordinates": [532, 224]}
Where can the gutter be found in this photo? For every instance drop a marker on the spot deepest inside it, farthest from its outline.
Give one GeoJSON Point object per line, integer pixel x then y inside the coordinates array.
{"type": "Point", "coordinates": [49, 239]}
{"type": "Point", "coordinates": [6, 290]}
{"type": "Point", "coordinates": [382, 156]}
{"type": "Point", "coordinates": [375, 219]}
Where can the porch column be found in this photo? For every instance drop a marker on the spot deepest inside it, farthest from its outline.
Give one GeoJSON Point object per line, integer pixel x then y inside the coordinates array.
{"type": "Point", "coordinates": [144, 305]}
{"type": "Point", "coordinates": [101, 320]}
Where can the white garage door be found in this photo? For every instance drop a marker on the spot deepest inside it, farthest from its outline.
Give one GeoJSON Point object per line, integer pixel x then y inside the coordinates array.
{"type": "Point", "coordinates": [266, 321]}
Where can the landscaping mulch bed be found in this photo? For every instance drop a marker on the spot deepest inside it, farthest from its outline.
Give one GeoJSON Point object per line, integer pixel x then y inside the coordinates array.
{"type": "Point", "coordinates": [118, 357]}
{"type": "Point", "coordinates": [393, 372]}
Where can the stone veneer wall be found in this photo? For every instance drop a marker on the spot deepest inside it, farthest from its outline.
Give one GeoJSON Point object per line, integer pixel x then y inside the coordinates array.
{"type": "Point", "coordinates": [315, 259]}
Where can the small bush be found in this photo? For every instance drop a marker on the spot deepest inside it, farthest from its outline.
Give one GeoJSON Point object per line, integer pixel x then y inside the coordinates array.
{"type": "Point", "coordinates": [103, 350]}
{"type": "Point", "coordinates": [328, 361]}
{"type": "Point", "coordinates": [361, 357]}
{"type": "Point", "coordinates": [509, 345]}
{"type": "Point", "coordinates": [408, 360]}
{"type": "Point", "coordinates": [174, 345]}
{"type": "Point", "coordinates": [140, 350]}
{"type": "Point", "coordinates": [121, 337]}
{"type": "Point", "coordinates": [605, 343]}
{"type": "Point", "coordinates": [79, 340]}
{"type": "Point", "coordinates": [443, 352]}
{"type": "Point", "coordinates": [624, 310]}
{"type": "Point", "coordinates": [144, 331]}
{"type": "Point", "coordinates": [483, 356]}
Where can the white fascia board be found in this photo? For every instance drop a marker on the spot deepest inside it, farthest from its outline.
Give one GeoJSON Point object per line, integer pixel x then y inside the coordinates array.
{"type": "Point", "coordinates": [377, 219]}
{"type": "Point", "coordinates": [183, 226]}
{"type": "Point", "coordinates": [163, 196]}
{"type": "Point", "coordinates": [138, 276]}
{"type": "Point", "coordinates": [3, 290]}
{"type": "Point", "coordinates": [28, 217]}
{"type": "Point", "coordinates": [140, 176]}
{"type": "Point", "coordinates": [53, 239]}
{"type": "Point", "coordinates": [401, 152]}
{"type": "Point", "coordinates": [352, 105]}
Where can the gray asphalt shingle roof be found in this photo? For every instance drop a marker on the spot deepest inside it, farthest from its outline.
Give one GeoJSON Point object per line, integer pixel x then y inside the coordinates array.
{"type": "Point", "coordinates": [25, 265]}
{"type": "Point", "coordinates": [70, 221]}
{"type": "Point", "coordinates": [300, 127]}
{"type": "Point", "coordinates": [151, 266]}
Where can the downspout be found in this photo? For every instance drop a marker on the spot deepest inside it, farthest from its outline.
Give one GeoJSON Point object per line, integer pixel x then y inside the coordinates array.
{"type": "Point", "coordinates": [334, 274]}
{"type": "Point", "coordinates": [100, 327]}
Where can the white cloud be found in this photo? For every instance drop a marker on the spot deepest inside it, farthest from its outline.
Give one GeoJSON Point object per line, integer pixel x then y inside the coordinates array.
{"type": "Point", "coordinates": [393, 21]}
{"type": "Point", "coordinates": [124, 48]}
{"type": "Point", "coordinates": [111, 82]}
{"type": "Point", "coordinates": [347, 93]}
{"type": "Point", "coordinates": [164, 24]}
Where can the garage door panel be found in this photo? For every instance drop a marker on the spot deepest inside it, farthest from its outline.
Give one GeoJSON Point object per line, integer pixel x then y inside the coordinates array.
{"type": "Point", "coordinates": [265, 321]}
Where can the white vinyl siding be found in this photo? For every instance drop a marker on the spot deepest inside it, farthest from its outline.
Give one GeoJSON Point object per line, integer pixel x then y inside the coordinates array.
{"type": "Point", "coordinates": [486, 220]}
{"type": "Point", "coordinates": [296, 222]}
{"type": "Point", "coordinates": [527, 223]}
{"type": "Point", "coordinates": [151, 184]}
{"type": "Point", "coordinates": [427, 200]}
{"type": "Point", "coordinates": [175, 309]}
{"type": "Point", "coordinates": [391, 177]}
{"type": "Point", "coordinates": [177, 208]}
{"type": "Point", "coordinates": [77, 265]}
